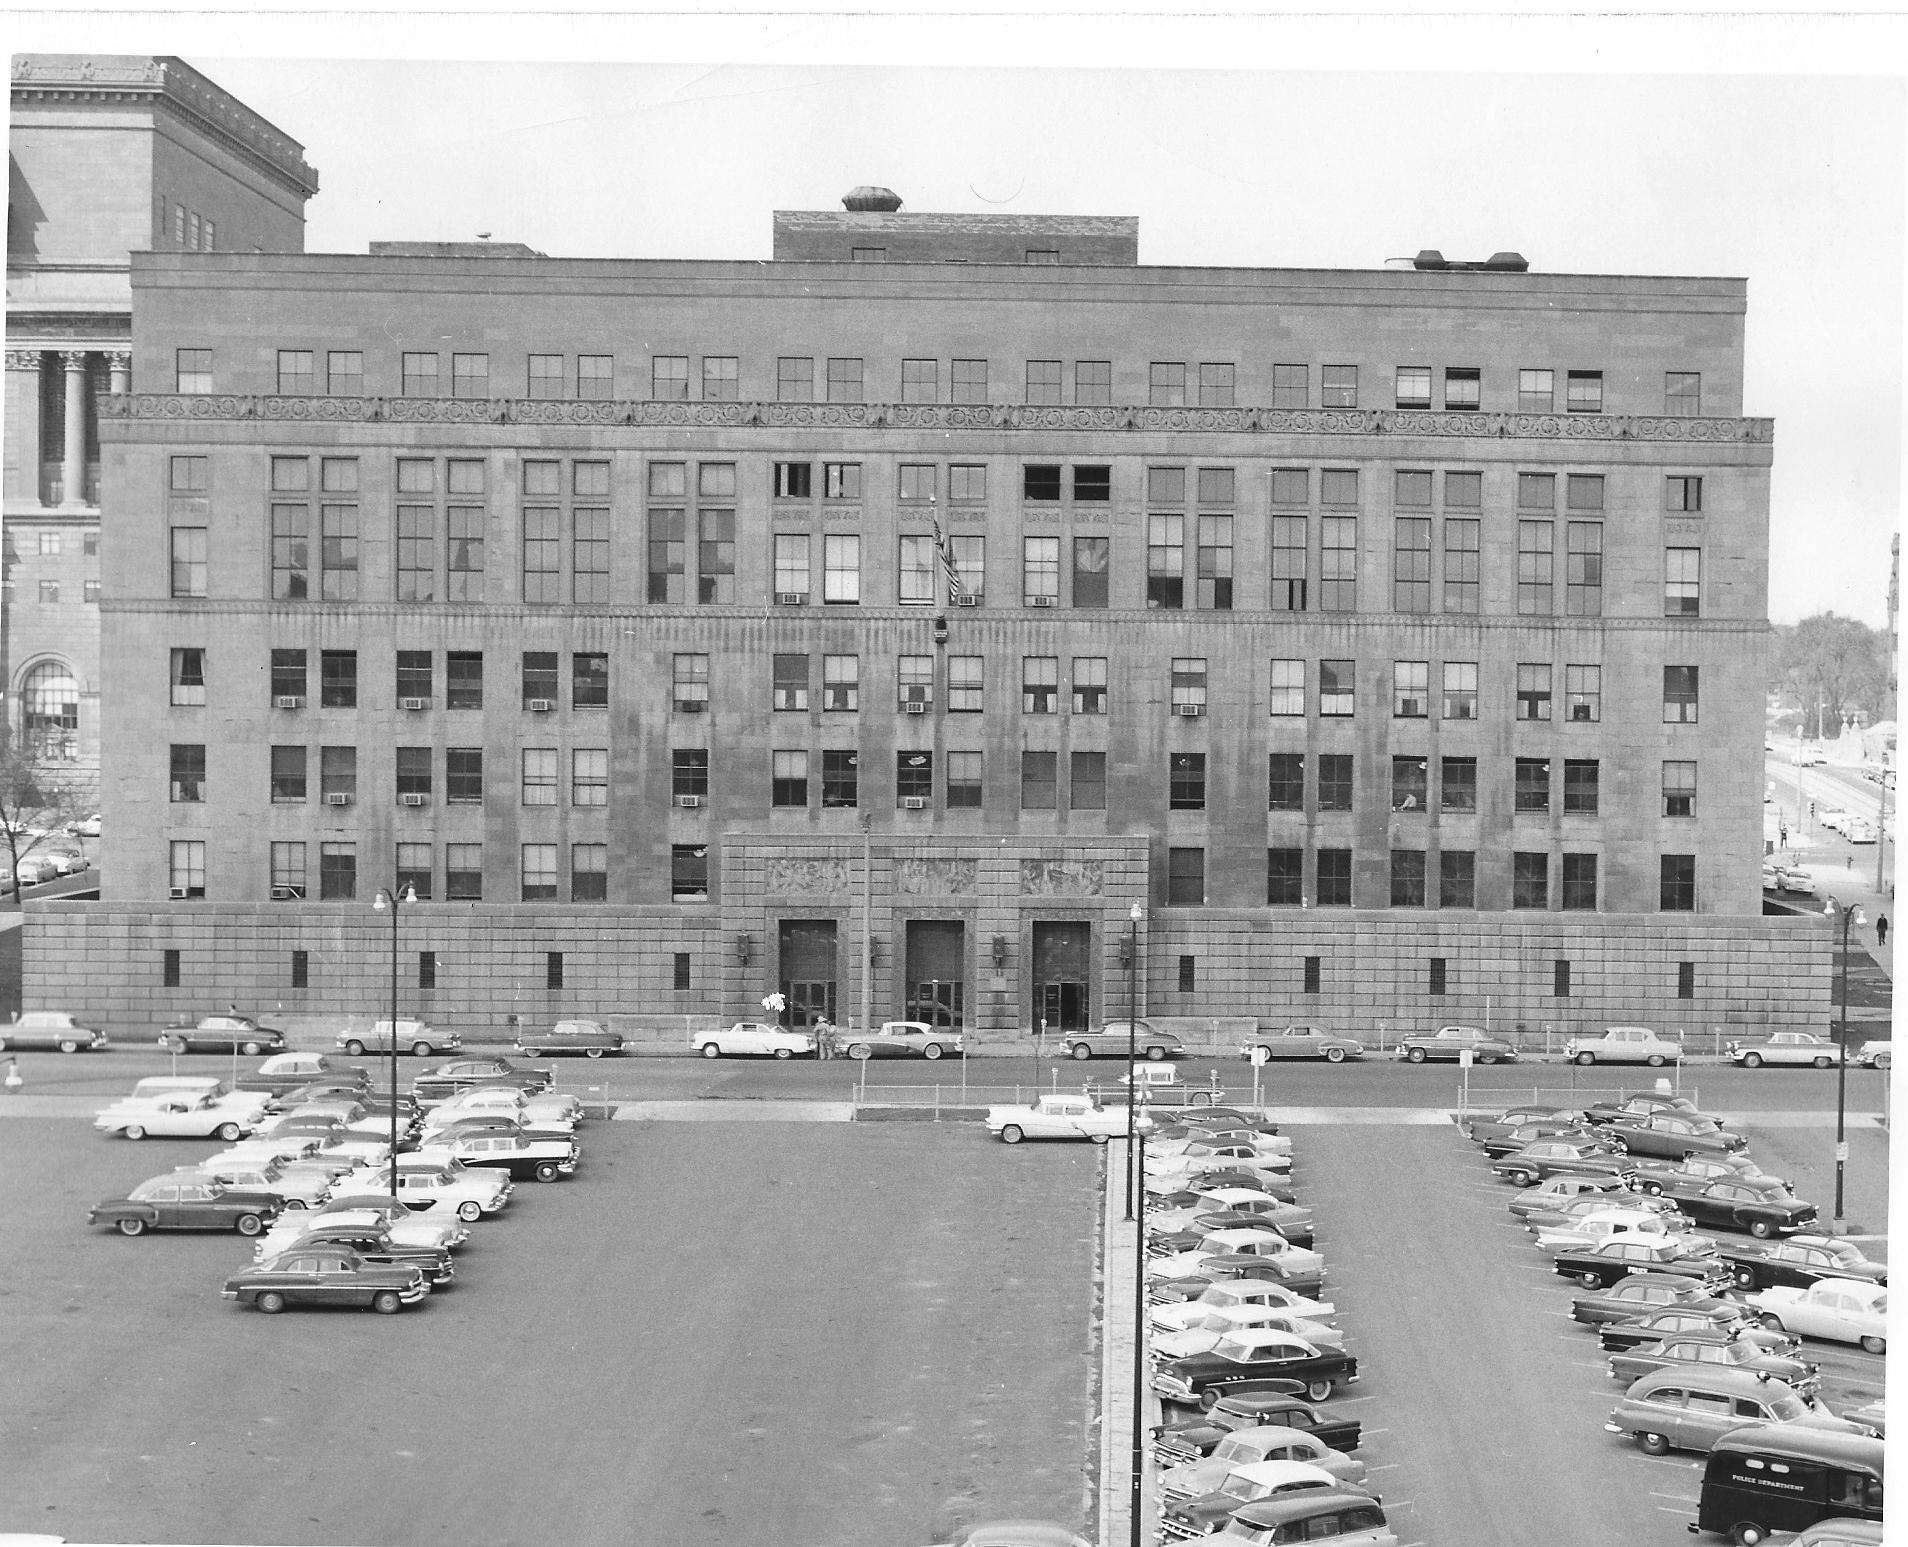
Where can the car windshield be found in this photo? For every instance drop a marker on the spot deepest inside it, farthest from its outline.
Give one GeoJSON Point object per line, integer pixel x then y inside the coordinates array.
{"type": "Point", "coordinates": [1234, 1349]}
{"type": "Point", "coordinates": [1235, 1449]}
{"type": "Point", "coordinates": [1788, 1408]}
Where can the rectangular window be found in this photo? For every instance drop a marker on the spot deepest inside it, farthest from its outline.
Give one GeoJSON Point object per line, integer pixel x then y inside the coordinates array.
{"type": "Point", "coordinates": [1583, 392]}
{"type": "Point", "coordinates": [1457, 783]}
{"type": "Point", "coordinates": [288, 871]}
{"type": "Point", "coordinates": [1186, 878]}
{"type": "Point", "coordinates": [416, 552]}
{"type": "Point", "coordinates": [589, 872]}
{"type": "Point", "coordinates": [1090, 559]}
{"type": "Point", "coordinates": [1334, 891]}
{"type": "Point", "coordinates": [589, 680]}
{"type": "Point", "coordinates": [844, 381]}
{"type": "Point", "coordinates": [1043, 381]}
{"type": "Point", "coordinates": [89, 591]}
{"type": "Point", "coordinates": [794, 480]}
{"type": "Point", "coordinates": [916, 584]}
{"type": "Point", "coordinates": [795, 379]}
{"type": "Point", "coordinates": [596, 377]}
{"type": "Point", "coordinates": [1189, 684]}
{"type": "Point", "coordinates": [964, 771]}
{"type": "Point", "coordinates": [297, 373]}
{"type": "Point", "coordinates": [1337, 688]}
{"type": "Point", "coordinates": [1086, 773]}
{"type": "Point", "coordinates": [1215, 563]}
{"type": "Point", "coordinates": [841, 684]}
{"type": "Point", "coordinates": [413, 772]}
{"type": "Point", "coordinates": [1560, 979]}
{"type": "Point", "coordinates": [1536, 392]}
{"type": "Point", "coordinates": [1435, 980]}
{"type": "Point", "coordinates": [689, 872]}
{"type": "Point", "coordinates": [1679, 695]}
{"type": "Point", "coordinates": [1287, 692]}
{"type": "Point", "coordinates": [914, 678]}
{"type": "Point", "coordinates": [669, 377]}
{"type": "Point", "coordinates": [1215, 384]}
{"type": "Point", "coordinates": [539, 776]}
{"type": "Point", "coordinates": [790, 682]}
{"type": "Point", "coordinates": [1291, 386]}
{"type": "Point", "coordinates": [464, 546]}
{"type": "Point", "coordinates": [1166, 384]}
{"type": "Point", "coordinates": [1186, 781]}
{"type": "Point", "coordinates": [542, 552]}
{"type": "Point", "coordinates": [1284, 878]}
{"type": "Point", "coordinates": [338, 679]}
{"type": "Point", "coordinates": [188, 475]}
{"type": "Point", "coordinates": [1407, 878]}
{"type": "Point", "coordinates": [49, 591]}
{"type": "Point", "coordinates": [1460, 690]}
{"type": "Point", "coordinates": [193, 371]}
{"type": "Point", "coordinates": [1411, 490]}
{"type": "Point", "coordinates": [1410, 690]}
{"type": "Point", "coordinates": [188, 772]}
{"type": "Point", "coordinates": [464, 776]}
{"type": "Point", "coordinates": [682, 971]}
{"type": "Point", "coordinates": [1187, 973]}
{"type": "Point", "coordinates": [1411, 564]}
{"type": "Point", "coordinates": [463, 873]}
{"type": "Point", "coordinates": [188, 675]}
{"type": "Point", "coordinates": [1338, 386]}
{"type": "Point", "coordinates": [721, 377]}
{"type": "Point", "coordinates": [1463, 491]}
{"type": "Point", "coordinates": [539, 679]}
{"type": "Point", "coordinates": [544, 377]}
{"type": "Point", "coordinates": [344, 373]}
{"type": "Point", "coordinates": [1579, 883]}
{"type": "Point", "coordinates": [540, 875]}
{"type": "Point", "coordinates": [689, 773]}
{"type": "Point", "coordinates": [1166, 485]}
{"type": "Point", "coordinates": [1677, 883]}
{"type": "Point", "coordinates": [464, 679]}
{"type": "Point", "coordinates": [690, 685]}
{"type": "Point", "coordinates": [715, 557]}
{"type": "Point", "coordinates": [188, 560]}
{"type": "Point", "coordinates": [1285, 781]}
{"type": "Point", "coordinates": [841, 570]}
{"type": "Point", "coordinates": [1683, 495]}
{"type": "Point", "coordinates": [1334, 781]}
{"type": "Point", "coordinates": [1679, 789]}
{"type": "Point", "coordinates": [967, 381]}
{"type": "Point", "coordinates": [337, 872]}
{"type": "Point", "coordinates": [1583, 574]}
{"type": "Point", "coordinates": [1040, 571]}
{"type": "Point", "coordinates": [1092, 383]}
{"type": "Point", "coordinates": [1338, 564]}
{"type": "Point", "coordinates": [1533, 690]}
{"type": "Point", "coordinates": [338, 774]}
{"type": "Point", "coordinates": [1457, 878]}
{"type": "Point", "coordinates": [1289, 538]}
{"type": "Point", "coordinates": [418, 374]}
{"type": "Point", "coordinates": [1533, 784]}
{"type": "Point", "coordinates": [1530, 880]}
{"type": "Point", "coordinates": [1580, 786]}
{"type": "Point", "coordinates": [1040, 482]}
{"type": "Point", "coordinates": [1536, 542]}
{"type": "Point", "coordinates": [470, 375]}
{"type": "Point", "coordinates": [589, 776]}
{"type": "Point", "coordinates": [414, 864]}
{"type": "Point", "coordinates": [288, 674]}
{"type": "Point", "coordinates": [1040, 684]}
{"type": "Point", "coordinates": [1537, 491]}
{"type": "Point", "coordinates": [1682, 582]}
{"type": "Point", "coordinates": [965, 684]}
{"type": "Point", "coordinates": [590, 554]}
{"type": "Point", "coordinates": [1089, 684]}
{"type": "Point", "coordinates": [841, 779]}
{"type": "Point", "coordinates": [1414, 386]}
{"type": "Point", "coordinates": [1682, 394]}
{"type": "Point", "coordinates": [967, 484]}
{"type": "Point", "coordinates": [1463, 386]}
{"type": "Point", "coordinates": [1461, 564]}
{"type": "Point", "coordinates": [791, 567]}
{"type": "Point", "coordinates": [1584, 491]}
{"type": "Point", "coordinates": [913, 776]}
{"type": "Point", "coordinates": [920, 381]}
{"type": "Point", "coordinates": [1408, 776]}
{"type": "Point", "coordinates": [1039, 781]}
{"type": "Point", "coordinates": [1686, 980]}
{"type": "Point", "coordinates": [788, 779]}
{"type": "Point", "coordinates": [1093, 483]}
{"type": "Point", "coordinates": [1166, 561]}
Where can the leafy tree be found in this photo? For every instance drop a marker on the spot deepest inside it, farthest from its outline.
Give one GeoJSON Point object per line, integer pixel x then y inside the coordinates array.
{"type": "Point", "coordinates": [1828, 663]}
{"type": "Point", "coordinates": [38, 798]}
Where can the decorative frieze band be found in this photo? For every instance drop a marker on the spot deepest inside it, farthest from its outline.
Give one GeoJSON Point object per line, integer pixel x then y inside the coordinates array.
{"type": "Point", "coordinates": [646, 414]}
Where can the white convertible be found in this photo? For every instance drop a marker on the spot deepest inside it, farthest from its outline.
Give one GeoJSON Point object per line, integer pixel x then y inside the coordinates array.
{"type": "Point", "coordinates": [1844, 1310]}
{"type": "Point", "coordinates": [1059, 1115]}
{"type": "Point", "coordinates": [182, 1115]}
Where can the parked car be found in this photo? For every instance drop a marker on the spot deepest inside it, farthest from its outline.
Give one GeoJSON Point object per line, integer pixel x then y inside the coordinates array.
{"type": "Point", "coordinates": [1160, 1083]}
{"type": "Point", "coordinates": [1552, 1157]}
{"type": "Point", "coordinates": [1237, 1294]}
{"type": "Point", "coordinates": [1602, 1224]}
{"type": "Point", "coordinates": [1560, 1188]}
{"type": "Point", "coordinates": [1187, 1439]}
{"type": "Point", "coordinates": [404, 1226]}
{"type": "Point", "coordinates": [1739, 1203]}
{"type": "Point", "coordinates": [1302, 1042]}
{"type": "Point", "coordinates": [1841, 1310]}
{"type": "Point", "coordinates": [1791, 1048]}
{"type": "Point", "coordinates": [1571, 1211]}
{"type": "Point", "coordinates": [1018, 1533]}
{"type": "Point", "coordinates": [287, 1071]}
{"type": "Point", "coordinates": [1218, 1325]}
{"type": "Point", "coordinates": [1681, 1409]}
{"type": "Point", "coordinates": [326, 1275]}
{"type": "Point", "coordinates": [1713, 1350]}
{"type": "Point", "coordinates": [1638, 1293]}
{"type": "Point", "coordinates": [1058, 1115]}
{"type": "Point", "coordinates": [1812, 757]}
{"type": "Point", "coordinates": [1788, 878]}
{"type": "Point", "coordinates": [435, 1084]}
{"type": "Point", "coordinates": [1262, 1442]}
{"type": "Point", "coordinates": [51, 1030]}
{"type": "Point", "coordinates": [455, 1189]}
{"type": "Point", "coordinates": [1800, 1261]}
{"type": "Point", "coordinates": [85, 827]}
{"type": "Point", "coordinates": [1147, 1040]}
{"type": "Point", "coordinates": [1729, 1317]}
{"type": "Point", "coordinates": [68, 862]}
{"type": "Point", "coordinates": [1195, 1519]}
{"type": "Point", "coordinates": [1480, 1128]}
{"type": "Point", "coordinates": [295, 1186]}
{"type": "Point", "coordinates": [1878, 1054]}
{"type": "Point", "coordinates": [1254, 1354]}
{"type": "Point", "coordinates": [374, 1243]}
{"type": "Point", "coordinates": [185, 1203]}
{"type": "Point", "coordinates": [1673, 1136]}
{"type": "Point", "coordinates": [1654, 1173]}
{"type": "Point", "coordinates": [1329, 1517]}
{"type": "Point", "coordinates": [222, 1034]}
{"type": "Point", "coordinates": [1859, 830]}
{"type": "Point", "coordinates": [35, 868]}
{"type": "Point", "coordinates": [904, 1039]}
{"type": "Point", "coordinates": [754, 1039]}
{"type": "Point", "coordinates": [1624, 1045]}
{"type": "Point", "coordinates": [413, 1036]}
{"type": "Point", "coordinates": [1602, 1263]}
{"type": "Point", "coordinates": [1640, 1104]}
{"type": "Point", "coordinates": [590, 1038]}
{"type": "Point", "coordinates": [1572, 1130]}
{"type": "Point", "coordinates": [1447, 1042]}
{"type": "Point", "coordinates": [521, 1155]}
{"type": "Point", "coordinates": [179, 1116]}
{"type": "Point", "coordinates": [531, 1108]}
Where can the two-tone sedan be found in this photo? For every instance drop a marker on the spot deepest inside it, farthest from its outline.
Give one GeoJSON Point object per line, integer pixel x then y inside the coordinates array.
{"type": "Point", "coordinates": [1235, 1295]}
{"type": "Point", "coordinates": [1498, 1145]}
{"type": "Point", "coordinates": [287, 1071]}
{"type": "Point", "coordinates": [1713, 1349]}
{"type": "Point", "coordinates": [1261, 1442]}
{"type": "Point", "coordinates": [1556, 1191]}
{"type": "Point", "coordinates": [592, 1039]}
{"type": "Point", "coordinates": [1843, 1310]}
{"type": "Point", "coordinates": [1302, 1042]}
{"type": "Point", "coordinates": [180, 1116]}
{"type": "Point", "coordinates": [222, 1034]}
{"type": "Point", "coordinates": [1792, 1049]}
{"type": "Point", "coordinates": [905, 1039]}
{"type": "Point", "coordinates": [1560, 1157]}
{"type": "Point", "coordinates": [326, 1275]}
{"type": "Point", "coordinates": [1602, 1263]}
{"type": "Point", "coordinates": [1250, 1356]}
{"type": "Point", "coordinates": [447, 1079]}
{"type": "Point", "coordinates": [185, 1203]}
{"type": "Point", "coordinates": [1216, 1326]}
{"type": "Point", "coordinates": [1448, 1043]}
{"type": "Point", "coordinates": [1674, 1135]}
{"type": "Point", "coordinates": [403, 1226]}
{"type": "Point", "coordinates": [1800, 1261]}
{"type": "Point", "coordinates": [755, 1039]}
{"type": "Point", "coordinates": [54, 1030]}
{"type": "Point", "coordinates": [469, 1194]}
{"type": "Point", "coordinates": [372, 1239]}
{"type": "Point", "coordinates": [1481, 1128]}
{"type": "Point", "coordinates": [1763, 1207]}
{"type": "Point", "coordinates": [1728, 1317]}
{"type": "Point", "coordinates": [1275, 1402]}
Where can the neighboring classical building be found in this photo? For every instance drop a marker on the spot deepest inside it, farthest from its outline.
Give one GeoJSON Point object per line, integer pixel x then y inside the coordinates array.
{"type": "Point", "coordinates": [937, 592]}
{"type": "Point", "coordinates": [108, 155]}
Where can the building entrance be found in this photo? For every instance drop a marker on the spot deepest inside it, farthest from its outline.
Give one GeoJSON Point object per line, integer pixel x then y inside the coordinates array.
{"type": "Point", "coordinates": [937, 972]}
{"type": "Point", "coordinates": [808, 974]}
{"type": "Point", "coordinates": [1062, 973]}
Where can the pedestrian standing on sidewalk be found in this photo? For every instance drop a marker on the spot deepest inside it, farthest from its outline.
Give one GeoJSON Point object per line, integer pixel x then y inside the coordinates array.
{"type": "Point", "coordinates": [13, 1082]}
{"type": "Point", "coordinates": [824, 1038]}
{"type": "Point", "coordinates": [1881, 929]}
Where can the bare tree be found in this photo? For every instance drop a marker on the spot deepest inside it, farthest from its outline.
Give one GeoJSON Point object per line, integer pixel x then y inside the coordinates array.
{"type": "Point", "coordinates": [39, 797]}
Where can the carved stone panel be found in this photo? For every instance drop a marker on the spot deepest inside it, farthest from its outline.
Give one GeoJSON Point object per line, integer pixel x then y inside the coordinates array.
{"type": "Point", "coordinates": [935, 877]}
{"type": "Point", "coordinates": [790, 877]}
{"type": "Point", "coordinates": [1061, 877]}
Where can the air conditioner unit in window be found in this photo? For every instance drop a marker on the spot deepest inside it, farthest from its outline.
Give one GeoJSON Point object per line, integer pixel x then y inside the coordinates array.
{"type": "Point", "coordinates": [540, 705]}
{"type": "Point", "coordinates": [1042, 601]}
{"type": "Point", "coordinates": [287, 893]}
{"type": "Point", "coordinates": [177, 893]}
{"type": "Point", "coordinates": [915, 706]}
{"type": "Point", "coordinates": [967, 599]}
{"type": "Point", "coordinates": [288, 701]}
{"type": "Point", "coordinates": [338, 798]}
{"type": "Point", "coordinates": [791, 598]}
{"type": "Point", "coordinates": [414, 800]}
{"type": "Point", "coordinates": [690, 802]}
{"type": "Point", "coordinates": [1191, 711]}
{"type": "Point", "coordinates": [414, 703]}
{"type": "Point", "coordinates": [691, 706]}
{"type": "Point", "coordinates": [914, 802]}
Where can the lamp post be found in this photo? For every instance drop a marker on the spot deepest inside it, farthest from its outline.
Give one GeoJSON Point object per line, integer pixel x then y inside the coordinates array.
{"type": "Point", "coordinates": [389, 901]}
{"type": "Point", "coordinates": [1134, 915]}
{"type": "Point", "coordinates": [1848, 916]}
{"type": "Point", "coordinates": [1134, 1536]}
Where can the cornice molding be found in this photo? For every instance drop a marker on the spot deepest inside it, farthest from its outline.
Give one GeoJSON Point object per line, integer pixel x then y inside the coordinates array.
{"type": "Point", "coordinates": [651, 414]}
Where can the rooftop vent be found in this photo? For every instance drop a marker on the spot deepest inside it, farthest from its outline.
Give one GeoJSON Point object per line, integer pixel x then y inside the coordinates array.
{"type": "Point", "coordinates": [1499, 262]}
{"type": "Point", "coordinates": [883, 201]}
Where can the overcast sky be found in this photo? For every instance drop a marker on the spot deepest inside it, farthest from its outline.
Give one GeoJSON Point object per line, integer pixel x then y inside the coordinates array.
{"type": "Point", "coordinates": [1792, 180]}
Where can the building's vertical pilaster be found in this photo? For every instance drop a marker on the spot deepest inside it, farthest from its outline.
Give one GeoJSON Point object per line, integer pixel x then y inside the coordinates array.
{"type": "Point", "coordinates": [119, 365]}
{"type": "Point", "coordinates": [73, 453]}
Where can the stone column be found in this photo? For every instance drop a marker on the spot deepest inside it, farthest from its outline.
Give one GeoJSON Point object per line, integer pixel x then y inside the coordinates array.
{"type": "Point", "coordinates": [119, 362]}
{"type": "Point", "coordinates": [23, 425]}
{"type": "Point", "coordinates": [73, 454]}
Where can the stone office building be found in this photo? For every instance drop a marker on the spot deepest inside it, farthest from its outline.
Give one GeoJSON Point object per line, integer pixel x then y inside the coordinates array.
{"type": "Point", "coordinates": [889, 622]}
{"type": "Point", "coordinates": [108, 154]}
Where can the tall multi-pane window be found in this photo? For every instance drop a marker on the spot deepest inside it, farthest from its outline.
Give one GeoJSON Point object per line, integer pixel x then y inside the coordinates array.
{"type": "Point", "coordinates": [589, 872]}
{"type": "Point", "coordinates": [188, 772]}
{"type": "Point", "coordinates": [1338, 386]}
{"type": "Point", "coordinates": [596, 377]}
{"type": "Point", "coordinates": [1043, 381]}
{"type": "Point", "coordinates": [1089, 684]}
{"type": "Point", "coordinates": [338, 476]}
{"type": "Point", "coordinates": [1536, 391]}
{"type": "Point", "coordinates": [1583, 392]}
{"type": "Point", "coordinates": [1215, 563]}
{"type": "Point", "coordinates": [1092, 382]}
{"type": "Point", "coordinates": [1679, 695]}
{"type": "Point", "coordinates": [791, 566]}
{"type": "Point", "coordinates": [542, 535]}
{"type": "Point", "coordinates": [464, 776]}
{"type": "Point", "coordinates": [1090, 564]}
{"type": "Point", "coordinates": [297, 373]}
{"type": "Point", "coordinates": [788, 778]}
{"type": "Point", "coordinates": [1334, 781]}
{"type": "Point", "coordinates": [1166, 561]}
{"type": "Point", "coordinates": [795, 379]}
{"type": "Point", "coordinates": [414, 685]}
{"type": "Point", "coordinates": [841, 684]}
{"type": "Point", "coordinates": [288, 871]}
{"type": "Point", "coordinates": [1334, 889]}
{"type": "Point", "coordinates": [1463, 386]}
{"type": "Point", "coordinates": [914, 680]}
{"type": "Point", "coordinates": [338, 775]}
{"type": "Point", "coordinates": [1533, 690]}
{"type": "Point", "coordinates": [1285, 781]}
{"type": "Point", "coordinates": [1581, 791]}
{"type": "Point", "coordinates": [416, 531]}
{"type": "Point", "coordinates": [1583, 693]}
{"type": "Point", "coordinates": [1682, 582]}
{"type": "Point", "coordinates": [965, 684]}
{"type": "Point", "coordinates": [470, 375]}
{"type": "Point", "coordinates": [338, 679]}
{"type": "Point", "coordinates": [288, 676]}
{"type": "Point", "coordinates": [668, 533]}
{"type": "Point", "coordinates": [1536, 542]}
{"type": "Point", "coordinates": [913, 777]}
{"type": "Point", "coordinates": [1039, 781]}
{"type": "Point", "coordinates": [1462, 543]}
{"type": "Point", "coordinates": [841, 779]}
{"type": "Point", "coordinates": [1040, 684]}
{"type": "Point", "coordinates": [1289, 534]}
{"type": "Point", "coordinates": [790, 682]}
{"type": "Point", "coordinates": [1287, 687]}
{"type": "Point", "coordinates": [1040, 570]}
{"type": "Point", "coordinates": [721, 378]}
{"type": "Point", "coordinates": [291, 529]}
{"type": "Point", "coordinates": [689, 872]}
{"type": "Point", "coordinates": [1679, 789]}
{"type": "Point", "coordinates": [1216, 383]}
{"type": "Point", "coordinates": [344, 373]}
{"type": "Point", "coordinates": [337, 872]}
{"type": "Point", "coordinates": [1583, 571]}
{"type": "Point", "coordinates": [1284, 878]}
{"type": "Point", "coordinates": [1413, 386]}
{"type": "Point", "coordinates": [1579, 883]}
{"type": "Point", "coordinates": [1337, 688]}
{"type": "Point", "coordinates": [964, 775]}
{"type": "Point", "coordinates": [844, 381]}
{"type": "Point", "coordinates": [1682, 394]}
{"type": "Point", "coordinates": [418, 374]}
{"type": "Point", "coordinates": [669, 377]}
{"type": "Point", "coordinates": [539, 872]}
{"type": "Point", "coordinates": [589, 776]}
{"type": "Point", "coordinates": [1409, 783]}
{"type": "Point", "coordinates": [1460, 690]}
{"type": "Point", "coordinates": [689, 774]}
{"type": "Point", "coordinates": [1338, 564]}
{"type": "Point", "coordinates": [1407, 878]}
{"type": "Point", "coordinates": [1186, 781]}
{"type": "Point", "coordinates": [920, 381]}
{"type": "Point", "coordinates": [1533, 784]}
{"type": "Point", "coordinates": [539, 776]}
{"type": "Point", "coordinates": [1457, 878]}
{"type": "Point", "coordinates": [715, 524]}
{"type": "Point", "coordinates": [188, 675]}
{"type": "Point", "coordinates": [1186, 878]}
{"type": "Point", "coordinates": [915, 584]}
{"type": "Point", "coordinates": [544, 377]}
{"type": "Point", "coordinates": [841, 569]}
{"type": "Point", "coordinates": [1457, 784]}
{"type": "Point", "coordinates": [1189, 684]}
{"type": "Point", "coordinates": [590, 542]}
{"type": "Point", "coordinates": [1530, 880]}
{"type": "Point", "coordinates": [413, 772]}
{"type": "Point", "coordinates": [1291, 386]}
{"type": "Point", "coordinates": [690, 683]}
{"type": "Point", "coordinates": [967, 381]}
{"type": "Point", "coordinates": [1410, 690]}
{"type": "Point", "coordinates": [540, 679]}
{"type": "Point", "coordinates": [464, 872]}
{"type": "Point", "coordinates": [1086, 781]}
{"type": "Point", "coordinates": [1411, 564]}
{"type": "Point", "coordinates": [1677, 883]}
{"type": "Point", "coordinates": [464, 528]}
{"type": "Point", "coordinates": [1166, 384]}
{"type": "Point", "coordinates": [463, 679]}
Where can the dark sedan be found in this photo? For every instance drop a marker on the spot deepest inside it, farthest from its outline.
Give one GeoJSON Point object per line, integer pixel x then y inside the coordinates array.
{"type": "Point", "coordinates": [1225, 1265]}
{"type": "Point", "coordinates": [1638, 1293]}
{"type": "Point", "coordinates": [1482, 1128]}
{"type": "Point", "coordinates": [1498, 1145]}
{"type": "Point", "coordinates": [1602, 1263]}
{"type": "Point", "coordinates": [1559, 1157]}
{"type": "Point", "coordinates": [1730, 1318]}
{"type": "Point", "coordinates": [223, 1034]}
{"type": "Point", "coordinates": [1189, 1439]}
{"type": "Point", "coordinates": [1763, 1208]}
{"type": "Point", "coordinates": [374, 1245]}
{"type": "Point", "coordinates": [1713, 1350]}
{"type": "Point", "coordinates": [1673, 1135]}
{"type": "Point", "coordinates": [1251, 1354]}
{"type": "Point", "coordinates": [325, 1275]}
{"type": "Point", "coordinates": [1298, 1232]}
{"type": "Point", "coordinates": [590, 1038]}
{"type": "Point", "coordinates": [462, 1073]}
{"type": "Point", "coordinates": [1640, 1105]}
{"type": "Point", "coordinates": [1799, 1261]}
{"type": "Point", "coordinates": [185, 1203]}
{"type": "Point", "coordinates": [1449, 1042]}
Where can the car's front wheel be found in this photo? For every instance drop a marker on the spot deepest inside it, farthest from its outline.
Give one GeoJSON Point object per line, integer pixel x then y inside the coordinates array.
{"type": "Point", "coordinates": [270, 1301]}
{"type": "Point", "coordinates": [1318, 1390]}
{"type": "Point", "coordinates": [710, 1050]}
{"type": "Point", "coordinates": [355, 1048]}
{"type": "Point", "coordinates": [1081, 1050]}
{"type": "Point", "coordinates": [1414, 1055]}
{"type": "Point", "coordinates": [228, 1132]}
{"type": "Point", "coordinates": [1590, 1280]}
{"type": "Point", "coordinates": [932, 1050]}
{"type": "Point", "coordinates": [1656, 1060]}
{"type": "Point", "coordinates": [1745, 1279]}
{"type": "Point", "coordinates": [470, 1211]}
{"type": "Point", "coordinates": [1155, 1054]}
{"type": "Point", "coordinates": [67, 1045]}
{"type": "Point", "coordinates": [1772, 1322]}
{"type": "Point", "coordinates": [1883, 1060]}
{"type": "Point", "coordinates": [1761, 1229]}
{"type": "Point", "coordinates": [1748, 1534]}
{"type": "Point", "coordinates": [421, 1050]}
{"type": "Point", "coordinates": [1752, 1060]}
{"type": "Point", "coordinates": [1524, 1178]}
{"type": "Point", "coordinates": [785, 1052]}
{"type": "Point", "coordinates": [252, 1049]}
{"type": "Point", "coordinates": [592, 1052]}
{"type": "Point", "coordinates": [547, 1171]}
{"type": "Point", "coordinates": [132, 1227]}
{"type": "Point", "coordinates": [134, 1131]}
{"type": "Point", "coordinates": [1824, 1063]}
{"type": "Point", "coordinates": [1586, 1059]}
{"type": "Point", "coordinates": [862, 1050]}
{"type": "Point", "coordinates": [1651, 1443]}
{"type": "Point", "coordinates": [387, 1302]}
{"type": "Point", "coordinates": [1011, 1134]}
{"type": "Point", "coordinates": [1334, 1055]}
{"type": "Point", "coordinates": [248, 1224]}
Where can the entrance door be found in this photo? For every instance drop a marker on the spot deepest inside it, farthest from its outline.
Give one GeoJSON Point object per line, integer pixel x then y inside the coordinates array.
{"type": "Point", "coordinates": [937, 972]}
{"type": "Point", "coordinates": [1062, 971]}
{"type": "Point", "coordinates": [808, 979]}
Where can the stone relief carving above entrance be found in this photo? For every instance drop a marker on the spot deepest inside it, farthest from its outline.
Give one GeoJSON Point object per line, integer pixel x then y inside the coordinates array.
{"type": "Point", "coordinates": [935, 877]}
{"type": "Point", "coordinates": [1061, 877]}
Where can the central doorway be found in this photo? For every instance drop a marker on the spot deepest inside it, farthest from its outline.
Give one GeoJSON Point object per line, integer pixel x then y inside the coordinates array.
{"type": "Point", "coordinates": [936, 981]}
{"type": "Point", "coordinates": [808, 973]}
{"type": "Point", "coordinates": [1062, 973]}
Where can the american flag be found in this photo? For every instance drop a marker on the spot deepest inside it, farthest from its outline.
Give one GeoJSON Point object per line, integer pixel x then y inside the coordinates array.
{"type": "Point", "coordinates": [954, 586]}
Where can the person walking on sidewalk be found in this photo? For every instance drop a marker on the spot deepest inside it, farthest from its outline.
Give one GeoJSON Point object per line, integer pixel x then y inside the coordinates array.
{"type": "Point", "coordinates": [1881, 929]}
